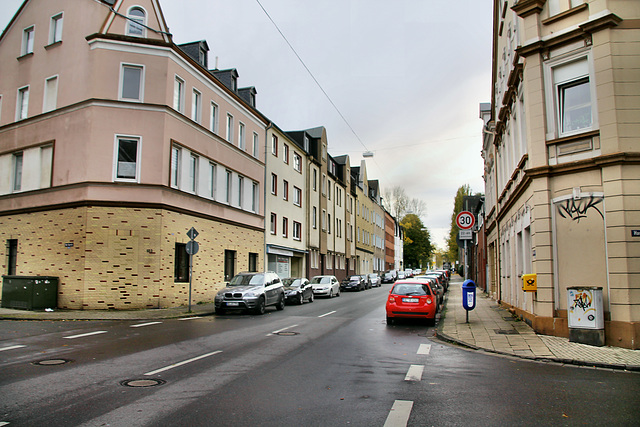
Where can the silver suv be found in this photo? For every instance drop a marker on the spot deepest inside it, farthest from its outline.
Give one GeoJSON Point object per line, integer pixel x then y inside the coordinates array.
{"type": "Point", "coordinates": [251, 291]}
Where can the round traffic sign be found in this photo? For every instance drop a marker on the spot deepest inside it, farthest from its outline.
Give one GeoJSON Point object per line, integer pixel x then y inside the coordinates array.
{"type": "Point", "coordinates": [465, 220]}
{"type": "Point", "coordinates": [192, 247]}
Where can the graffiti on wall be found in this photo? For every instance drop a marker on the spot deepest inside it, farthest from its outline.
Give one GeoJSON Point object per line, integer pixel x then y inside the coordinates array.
{"type": "Point", "coordinates": [577, 209]}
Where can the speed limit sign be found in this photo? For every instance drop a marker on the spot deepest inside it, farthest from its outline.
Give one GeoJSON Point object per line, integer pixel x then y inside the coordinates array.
{"type": "Point", "coordinates": [465, 220]}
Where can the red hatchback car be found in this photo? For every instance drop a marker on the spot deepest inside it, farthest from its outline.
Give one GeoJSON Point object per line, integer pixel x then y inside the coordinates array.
{"type": "Point", "coordinates": [411, 299]}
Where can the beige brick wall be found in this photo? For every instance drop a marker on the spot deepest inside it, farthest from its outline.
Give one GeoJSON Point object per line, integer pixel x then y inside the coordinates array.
{"type": "Point", "coordinates": [123, 257]}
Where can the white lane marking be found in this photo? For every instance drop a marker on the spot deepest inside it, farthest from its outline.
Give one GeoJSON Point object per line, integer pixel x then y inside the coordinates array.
{"type": "Point", "coordinates": [184, 362]}
{"type": "Point", "coordinates": [399, 415]}
{"type": "Point", "coordinates": [414, 373]}
{"type": "Point", "coordinates": [190, 318]}
{"type": "Point", "coordinates": [85, 335]}
{"type": "Point", "coordinates": [13, 347]}
{"type": "Point", "coordinates": [280, 330]}
{"type": "Point", "coordinates": [140, 325]}
{"type": "Point", "coordinates": [3, 423]}
{"type": "Point", "coordinates": [327, 314]}
{"type": "Point", "coordinates": [424, 349]}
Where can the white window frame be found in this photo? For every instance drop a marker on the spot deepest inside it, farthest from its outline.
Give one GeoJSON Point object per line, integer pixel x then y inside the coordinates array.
{"type": "Point", "coordinates": [256, 144]}
{"type": "Point", "coordinates": [55, 28]}
{"type": "Point", "coordinates": [255, 196]}
{"type": "Point", "coordinates": [297, 162]}
{"type": "Point", "coordinates": [50, 101]}
{"type": "Point", "coordinates": [194, 162]}
{"type": "Point", "coordinates": [240, 191]}
{"type": "Point", "coordinates": [213, 179]}
{"type": "Point", "coordinates": [213, 118]}
{"type": "Point", "coordinates": [22, 103]}
{"type": "Point", "coordinates": [228, 186]}
{"type": "Point", "coordinates": [196, 105]}
{"type": "Point", "coordinates": [273, 221]}
{"type": "Point", "coordinates": [241, 135]}
{"type": "Point", "coordinates": [138, 162]}
{"type": "Point", "coordinates": [178, 94]}
{"type": "Point", "coordinates": [136, 27]}
{"type": "Point", "coordinates": [314, 217]}
{"type": "Point", "coordinates": [174, 168]}
{"type": "Point", "coordinates": [28, 40]}
{"type": "Point", "coordinates": [229, 128]}
{"type": "Point", "coordinates": [274, 184]}
{"type": "Point", "coordinates": [140, 97]}
{"type": "Point", "coordinates": [274, 145]}
{"type": "Point", "coordinates": [553, 109]}
{"type": "Point", "coordinates": [285, 227]}
{"type": "Point", "coordinates": [297, 231]}
{"type": "Point", "coordinates": [297, 196]}
{"type": "Point", "coordinates": [17, 167]}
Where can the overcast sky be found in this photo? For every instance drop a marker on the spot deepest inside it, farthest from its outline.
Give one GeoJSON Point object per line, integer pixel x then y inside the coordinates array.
{"type": "Point", "coordinates": [408, 76]}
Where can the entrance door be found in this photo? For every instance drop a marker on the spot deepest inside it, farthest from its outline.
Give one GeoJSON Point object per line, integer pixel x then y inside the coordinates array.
{"type": "Point", "coordinates": [229, 265]}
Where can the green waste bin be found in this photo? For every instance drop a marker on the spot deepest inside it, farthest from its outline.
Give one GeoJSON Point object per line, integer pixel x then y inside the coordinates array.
{"type": "Point", "coordinates": [29, 292]}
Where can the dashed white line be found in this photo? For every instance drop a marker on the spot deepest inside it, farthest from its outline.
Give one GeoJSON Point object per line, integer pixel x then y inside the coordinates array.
{"type": "Point", "coordinates": [399, 415]}
{"type": "Point", "coordinates": [184, 362]}
{"type": "Point", "coordinates": [327, 314]}
{"type": "Point", "coordinates": [3, 423]}
{"type": "Point", "coordinates": [85, 335]}
{"type": "Point", "coordinates": [191, 318]}
{"type": "Point", "coordinates": [424, 349]}
{"type": "Point", "coordinates": [140, 325]}
{"type": "Point", "coordinates": [13, 347]}
{"type": "Point", "coordinates": [414, 373]}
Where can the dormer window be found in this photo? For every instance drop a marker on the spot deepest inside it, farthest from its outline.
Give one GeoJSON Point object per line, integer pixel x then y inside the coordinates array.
{"type": "Point", "coordinates": [137, 21]}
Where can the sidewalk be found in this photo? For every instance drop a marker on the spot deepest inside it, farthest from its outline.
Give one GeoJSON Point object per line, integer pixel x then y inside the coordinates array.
{"type": "Point", "coordinates": [495, 330]}
{"type": "Point", "coordinates": [150, 314]}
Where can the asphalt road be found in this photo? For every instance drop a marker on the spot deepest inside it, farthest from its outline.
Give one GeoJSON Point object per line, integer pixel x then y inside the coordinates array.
{"type": "Point", "coordinates": [329, 363]}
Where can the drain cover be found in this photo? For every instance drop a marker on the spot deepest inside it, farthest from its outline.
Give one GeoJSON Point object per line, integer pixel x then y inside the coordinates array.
{"type": "Point", "coordinates": [52, 362]}
{"type": "Point", "coordinates": [287, 334]}
{"type": "Point", "coordinates": [142, 383]}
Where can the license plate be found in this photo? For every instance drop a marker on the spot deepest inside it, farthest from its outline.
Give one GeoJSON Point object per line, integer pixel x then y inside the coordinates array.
{"type": "Point", "coordinates": [410, 299]}
{"type": "Point", "coordinates": [233, 304]}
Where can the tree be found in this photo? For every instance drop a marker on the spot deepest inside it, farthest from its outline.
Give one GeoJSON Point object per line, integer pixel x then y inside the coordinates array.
{"type": "Point", "coordinates": [417, 242]}
{"type": "Point", "coordinates": [452, 244]}
{"type": "Point", "coordinates": [396, 201]}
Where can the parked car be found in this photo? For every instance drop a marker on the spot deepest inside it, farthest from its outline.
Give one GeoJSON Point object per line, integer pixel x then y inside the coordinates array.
{"type": "Point", "coordinates": [411, 299]}
{"type": "Point", "coordinates": [436, 287]}
{"type": "Point", "coordinates": [326, 286]}
{"type": "Point", "coordinates": [375, 279]}
{"type": "Point", "coordinates": [401, 275]}
{"type": "Point", "coordinates": [417, 271]}
{"type": "Point", "coordinates": [353, 283]}
{"type": "Point", "coordinates": [442, 278]}
{"type": "Point", "coordinates": [389, 276]}
{"type": "Point", "coordinates": [367, 282]}
{"type": "Point", "coordinates": [251, 291]}
{"type": "Point", "coordinates": [408, 273]}
{"type": "Point", "coordinates": [297, 290]}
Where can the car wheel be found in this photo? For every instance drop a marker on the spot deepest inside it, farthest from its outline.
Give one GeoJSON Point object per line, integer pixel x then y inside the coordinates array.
{"type": "Point", "coordinates": [260, 307]}
{"type": "Point", "coordinates": [338, 294]}
{"type": "Point", "coordinates": [431, 322]}
{"type": "Point", "coordinates": [331, 293]}
{"type": "Point", "coordinates": [280, 305]}
{"type": "Point", "coordinates": [389, 320]}
{"type": "Point", "coordinates": [300, 299]}
{"type": "Point", "coordinates": [311, 297]}
{"type": "Point", "coordinates": [220, 311]}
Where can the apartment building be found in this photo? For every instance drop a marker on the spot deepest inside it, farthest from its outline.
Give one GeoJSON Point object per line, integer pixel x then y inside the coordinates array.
{"type": "Point", "coordinates": [562, 163]}
{"type": "Point", "coordinates": [286, 205]}
{"type": "Point", "coordinates": [114, 143]}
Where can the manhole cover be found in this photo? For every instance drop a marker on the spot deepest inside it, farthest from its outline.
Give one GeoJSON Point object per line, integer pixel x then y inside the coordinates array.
{"type": "Point", "coordinates": [51, 362]}
{"type": "Point", "coordinates": [287, 334]}
{"type": "Point", "coordinates": [506, 331]}
{"type": "Point", "coordinates": [142, 383]}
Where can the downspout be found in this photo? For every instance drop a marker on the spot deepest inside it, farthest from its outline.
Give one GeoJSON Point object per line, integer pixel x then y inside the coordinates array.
{"type": "Point", "coordinates": [264, 192]}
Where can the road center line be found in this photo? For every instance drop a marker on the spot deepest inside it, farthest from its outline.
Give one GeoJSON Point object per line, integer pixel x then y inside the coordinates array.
{"type": "Point", "coordinates": [399, 415]}
{"type": "Point", "coordinates": [184, 362]}
{"type": "Point", "coordinates": [13, 347]}
{"type": "Point", "coordinates": [414, 373]}
{"type": "Point", "coordinates": [424, 349]}
{"type": "Point", "coordinates": [327, 314]}
{"type": "Point", "coordinates": [145, 324]}
{"type": "Point", "coordinates": [85, 335]}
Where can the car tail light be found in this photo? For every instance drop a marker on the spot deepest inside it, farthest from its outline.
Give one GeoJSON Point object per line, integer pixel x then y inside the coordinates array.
{"type": "Point", "coordinates": [429, 301]}
{"type": "Point", "coordinates": [392, 299]}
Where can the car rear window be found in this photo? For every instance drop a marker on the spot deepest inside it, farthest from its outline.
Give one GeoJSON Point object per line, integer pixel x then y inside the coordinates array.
{"type": "Point", "coordinates": [411, 289]}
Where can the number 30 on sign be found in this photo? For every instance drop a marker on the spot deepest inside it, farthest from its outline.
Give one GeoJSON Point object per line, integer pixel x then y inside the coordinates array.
{"type": "Point", "coordinates": [465, 220]}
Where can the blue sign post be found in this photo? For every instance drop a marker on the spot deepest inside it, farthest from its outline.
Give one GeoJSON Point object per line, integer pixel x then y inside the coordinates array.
{"type": "Point", "coordinates": [469, 296]}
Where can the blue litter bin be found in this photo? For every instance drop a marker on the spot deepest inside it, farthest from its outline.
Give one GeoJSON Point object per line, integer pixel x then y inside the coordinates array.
{"type": "Point", "coordinates": [469, 295]}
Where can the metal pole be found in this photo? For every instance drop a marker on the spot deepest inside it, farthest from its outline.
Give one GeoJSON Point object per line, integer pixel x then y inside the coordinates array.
{"type": "Point", "coordinates": [190, 275]}
{"type": "Point", "coordinates": [466, 273]}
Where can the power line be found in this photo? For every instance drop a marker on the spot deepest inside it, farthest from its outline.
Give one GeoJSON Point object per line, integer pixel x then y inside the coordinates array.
{"type": "Point", "coordinates": [312, 76]}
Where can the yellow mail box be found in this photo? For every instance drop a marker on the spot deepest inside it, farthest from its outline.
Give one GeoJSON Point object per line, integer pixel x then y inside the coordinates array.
{"type": "Point", "coordinates": [530, 282]}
